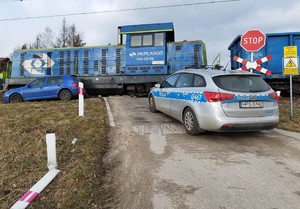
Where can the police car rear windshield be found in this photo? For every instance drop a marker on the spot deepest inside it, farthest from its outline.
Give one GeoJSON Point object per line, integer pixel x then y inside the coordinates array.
{"type": "Point", "coordinates": [241, 83]}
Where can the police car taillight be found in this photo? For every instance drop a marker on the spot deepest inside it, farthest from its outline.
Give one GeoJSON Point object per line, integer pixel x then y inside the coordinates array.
{"type": "Point", "coordinates": [217, 96]}
{"type": "Point", "coordinates": [75, 84]}
{"type": "Point", "coordinates": [274, 95]}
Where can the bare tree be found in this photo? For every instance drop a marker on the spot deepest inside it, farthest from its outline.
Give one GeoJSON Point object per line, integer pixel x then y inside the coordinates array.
{"type": "Point", "coordinates": [61, 39]}
{"type": "Point", "coordinates": [36, 43]}
{"type": "Point", "coordinates": [78, 42]}
{"type": "Point", "coordinates": [24, 46]}
{"type": "Point", "coordinates": [68, 36]}
{"type": "Point", "coordinates": [45, 39]}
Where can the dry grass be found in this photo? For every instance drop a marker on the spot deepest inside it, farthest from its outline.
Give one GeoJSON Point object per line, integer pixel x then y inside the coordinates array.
{"type": "Point", "coordinates": [23, 157]}
{"type": "Point", "coordinates": [286, 122]}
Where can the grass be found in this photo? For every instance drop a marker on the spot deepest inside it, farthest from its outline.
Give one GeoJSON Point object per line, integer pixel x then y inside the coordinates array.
{"type": "Point", "coordinates": [23, 157]}
{"type": "Point", "coordinates": [287, 122]}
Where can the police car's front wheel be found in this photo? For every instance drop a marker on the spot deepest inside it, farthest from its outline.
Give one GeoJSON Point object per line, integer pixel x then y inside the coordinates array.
{"type": "Point", "coordinates": [190, 122]}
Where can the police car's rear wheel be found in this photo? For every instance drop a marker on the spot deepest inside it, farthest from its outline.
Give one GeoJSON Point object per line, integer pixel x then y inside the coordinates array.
{"type": "Point", "coordinates": [152, 105]}
{"type": "Point", "coordinates": [190, 122]}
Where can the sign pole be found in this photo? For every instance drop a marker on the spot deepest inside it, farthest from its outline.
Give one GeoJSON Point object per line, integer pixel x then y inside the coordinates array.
{"type": "Point", "coordinates": [252, 58]}
{"type": "Point", "coordinates": [291, 94]}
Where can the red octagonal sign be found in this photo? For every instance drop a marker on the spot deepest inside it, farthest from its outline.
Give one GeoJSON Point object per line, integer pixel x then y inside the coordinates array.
{"type": "Point", "coordinates": [253, 40]}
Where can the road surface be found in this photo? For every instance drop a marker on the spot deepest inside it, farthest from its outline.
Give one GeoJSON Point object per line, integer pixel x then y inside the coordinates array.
{"type": "Point", "coordinates": [154, 164]}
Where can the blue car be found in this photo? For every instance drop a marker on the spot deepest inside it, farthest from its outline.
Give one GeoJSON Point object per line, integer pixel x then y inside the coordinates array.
{"type": "Point", "coordinates": [63, 87]}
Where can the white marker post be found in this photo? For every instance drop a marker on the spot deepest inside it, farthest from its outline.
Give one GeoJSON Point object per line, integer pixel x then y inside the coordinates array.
{"type": "Point", "coordinates": [51, 151]}
{"type": "Point", "coordinates": [81, 99]}
{"type": "Point", "coordinates": [34, 191]}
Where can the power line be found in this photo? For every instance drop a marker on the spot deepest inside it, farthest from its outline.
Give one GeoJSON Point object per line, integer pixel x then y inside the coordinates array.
{"type": "Point", "coordinates": [118, 10]}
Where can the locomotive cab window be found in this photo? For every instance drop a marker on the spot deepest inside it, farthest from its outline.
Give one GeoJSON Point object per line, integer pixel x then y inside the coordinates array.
{"type": "Point", "coordinates": [159, 39]}
{"type": "Point", "coordinates": [136, 41]}
{"type": "Point", "coordinates": [147, 40]}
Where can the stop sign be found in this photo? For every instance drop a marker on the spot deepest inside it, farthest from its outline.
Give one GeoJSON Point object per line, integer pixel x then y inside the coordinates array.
{"type": "Point", "coordinates": [253, 40]}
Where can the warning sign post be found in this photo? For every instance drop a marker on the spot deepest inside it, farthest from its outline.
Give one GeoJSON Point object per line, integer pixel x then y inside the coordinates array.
{"type": "Point", "coordinates": [290, 67]}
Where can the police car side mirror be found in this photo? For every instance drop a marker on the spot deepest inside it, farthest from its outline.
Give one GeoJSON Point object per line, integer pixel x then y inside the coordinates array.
{"type": "Point", "coordinates": [157, 85]}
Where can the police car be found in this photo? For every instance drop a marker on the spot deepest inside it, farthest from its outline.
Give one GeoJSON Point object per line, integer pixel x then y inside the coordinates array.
{"type": "Point", "coordinates": [216, 100]}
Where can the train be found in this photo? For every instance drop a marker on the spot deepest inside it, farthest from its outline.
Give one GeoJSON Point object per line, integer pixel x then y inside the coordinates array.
{"type": "Point", "coordinates": [275, 43]}
{"type": "Point", "coordinates": [144, 55]}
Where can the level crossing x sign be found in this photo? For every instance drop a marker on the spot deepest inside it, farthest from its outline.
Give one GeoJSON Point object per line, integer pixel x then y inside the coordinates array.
{"type": "Point", "coordinates": [254, 65]}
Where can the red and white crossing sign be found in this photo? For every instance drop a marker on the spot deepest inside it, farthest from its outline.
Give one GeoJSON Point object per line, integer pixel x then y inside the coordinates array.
{"type": "Point", "coordinates": [253, 40]}
{"type": "Point", "coordinates": [254, 65]}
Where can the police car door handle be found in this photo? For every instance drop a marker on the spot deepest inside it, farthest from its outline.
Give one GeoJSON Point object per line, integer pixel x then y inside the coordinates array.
{"type": "Point", "coordinates": [185, 93]}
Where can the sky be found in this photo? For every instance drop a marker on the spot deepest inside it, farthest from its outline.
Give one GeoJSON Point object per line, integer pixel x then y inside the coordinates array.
{"type": "Point", "coordinates": [216, 22]}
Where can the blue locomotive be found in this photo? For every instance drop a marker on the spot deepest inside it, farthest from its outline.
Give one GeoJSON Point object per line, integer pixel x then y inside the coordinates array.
{"type": "Point", "coordinates": [149, 54]}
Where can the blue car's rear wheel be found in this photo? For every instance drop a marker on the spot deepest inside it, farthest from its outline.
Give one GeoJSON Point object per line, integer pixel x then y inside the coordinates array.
{"type": "Point", "coordinates": [65, 95]}
{"type": "Point", "coordinates": [14, 98]}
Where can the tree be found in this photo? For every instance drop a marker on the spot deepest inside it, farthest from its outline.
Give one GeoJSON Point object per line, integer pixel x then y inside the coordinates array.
{"type": "Point", "coordinates": [45, 39]}
{"type": "Point", "coordinates": [24, 46]}
{"type": "Point", "coordinates": [61, 40]}
{"type": "Point", "coordinates": [68, 36]}
{"type": "Point", "coordinates": [73, 38]}
{"type": "Point", "coordinates": [35, 44]}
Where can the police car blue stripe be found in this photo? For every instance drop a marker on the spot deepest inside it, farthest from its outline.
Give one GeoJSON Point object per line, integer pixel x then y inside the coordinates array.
{"type": "Point", "coordinates": [181, 96]}
{"type": "Point", "coordinates": [200, 98]}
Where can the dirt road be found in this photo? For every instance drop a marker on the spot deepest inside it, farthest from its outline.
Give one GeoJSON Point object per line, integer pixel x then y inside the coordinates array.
{"type": "Point", "coordinates": [154, 164]}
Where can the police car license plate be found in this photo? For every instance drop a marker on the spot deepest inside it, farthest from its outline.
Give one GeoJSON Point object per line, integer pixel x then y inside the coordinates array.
{"type": "Point", "coordinates": [252, 104]}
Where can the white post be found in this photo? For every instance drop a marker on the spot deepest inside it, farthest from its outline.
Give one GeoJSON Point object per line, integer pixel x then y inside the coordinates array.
{"type": "Point", "coordinates": [51, 150]}
{"type": "Point", "coordinates": [81, 99]}
{"type": "Point", "coordinates": [36, 189]}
